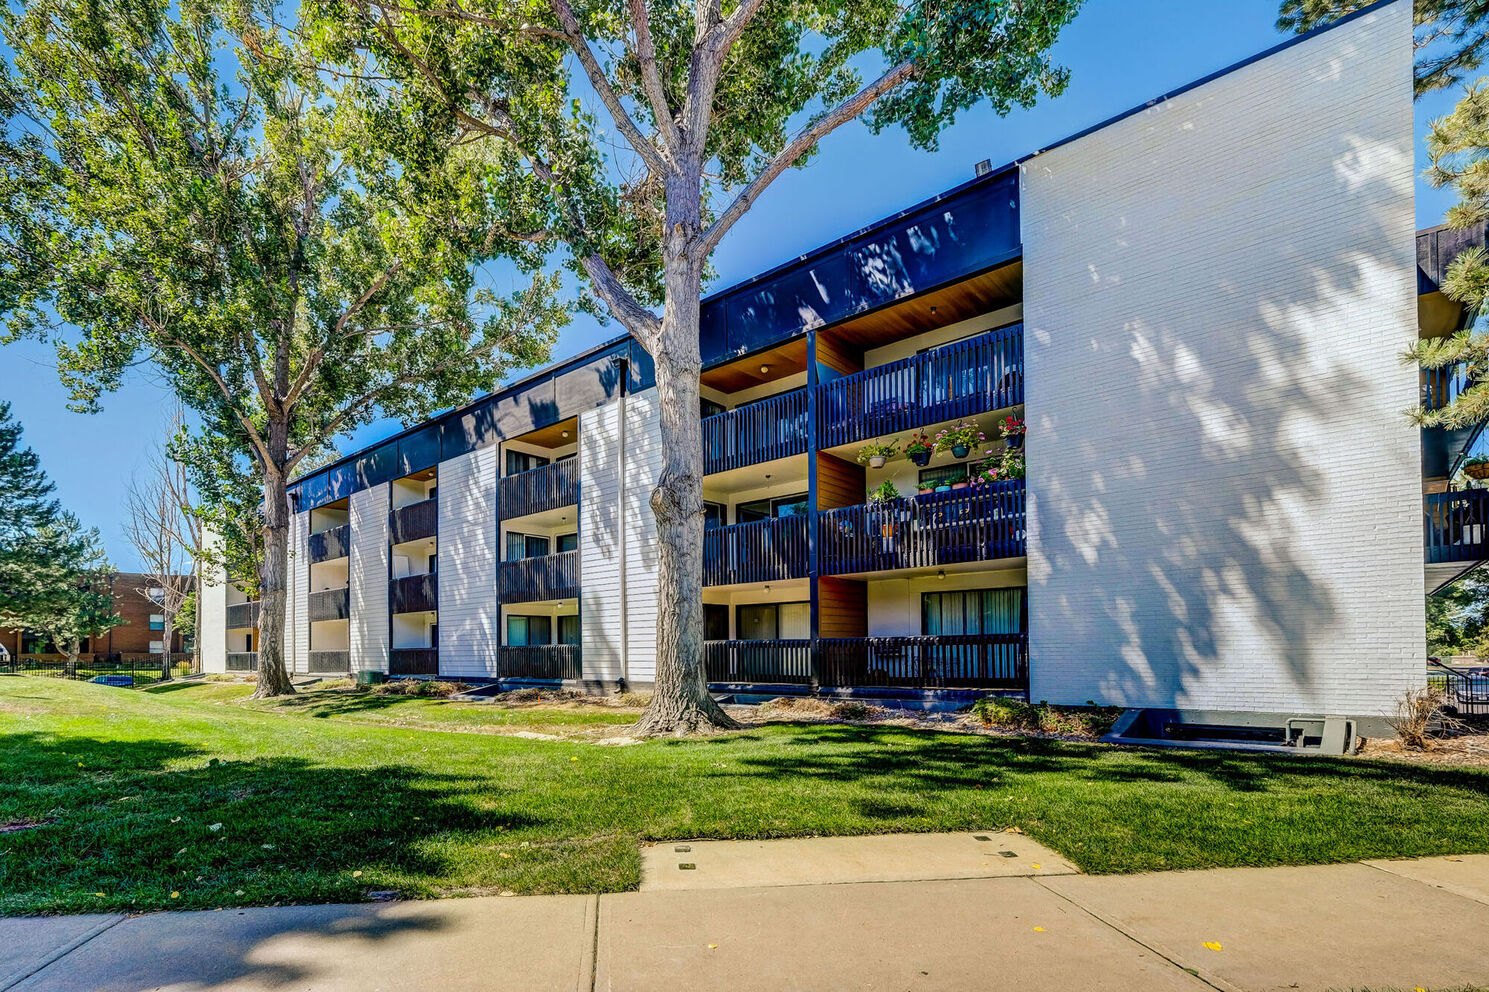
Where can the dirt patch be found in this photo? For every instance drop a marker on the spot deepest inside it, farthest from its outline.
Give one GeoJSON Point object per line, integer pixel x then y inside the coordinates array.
{"type": "Point", "coordinates": [1470, 746]}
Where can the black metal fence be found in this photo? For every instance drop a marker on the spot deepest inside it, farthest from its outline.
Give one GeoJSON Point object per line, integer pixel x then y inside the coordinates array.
{"type": "Point", "coordinates": [1467, 692]}
{"type": "Point", "coordinates": [143, 669]}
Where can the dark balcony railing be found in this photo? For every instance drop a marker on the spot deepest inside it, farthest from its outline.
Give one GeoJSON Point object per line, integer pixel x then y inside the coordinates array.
{"type": "Point", "coordinates": [413, 661]}
{"type": "Point", "coordinates": [538, 489]}
{"type": "Point", "coordinates": [784, 661]}
{"type": "Point", "coordinates": [774, 427]}
{"type": "Point", "coordinates": [414, 521]}
{"type": "Point", "coordinates": [961, 379]}
{"type": "Point", "coordinates": [242, 661]}
{"type": "Point", "coordinates": [970, 661]}
{"type": "Point", "coordinates": [330, 661]}
{"type": "Point", "coordinates": [329, 604]}
{"type": "Point", "coordinates": [241, 616]}
{"type": "Point", "coordinates": [760, 551]}
{"type": "Point", "coordinates": [1457, 526]}
{"type": "Point", "coordinates": [539, 661]}
{"type": "Point", "coordinates": [331, 544]}
{"type": "Point", "coordinates": [413, 594]}
{"type": "Point", "coordinates": [544, 577]}
{"type": "Point", "coordinates": [980, 523]}
{"type": "Point", "coordinates": [1442, 386]}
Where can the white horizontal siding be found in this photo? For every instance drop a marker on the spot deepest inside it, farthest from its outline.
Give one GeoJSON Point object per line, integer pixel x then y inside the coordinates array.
{"type": "Point", "coordinates": [468, 555]}
{"type": "Point", "coordinates": [368, 574]}
{"type": "Point", "coordinates": [213, 648]}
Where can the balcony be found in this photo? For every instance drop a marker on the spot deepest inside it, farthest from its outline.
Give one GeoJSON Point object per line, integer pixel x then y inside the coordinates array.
{"type": "Point", "coordinates": [242, 661]}
{"type": "Point", "coordinates": [957, 380]}
{"type": "Point", "coordinates": [539, 661]}
{"type": "Point", "coordinates": [534, 491]}
{"type": "Point", "coordinates": [413, 522]}
{"type": "Point", "coordinates": [782, 661]}
{"type": "Point", "coordinates": [414, 594]}
{"type": "Point", "coordinates": [329, 604]}
{"type": "Point", "coordinates": [759, 551]}
{"type": "Point", "coordinates": [331, 544]}
{"type": "Point", "coordinates": [545, 577]}
{"type": "Point", "coordinates": [242, 616]}
{"type": "Point", "coordinates": [981, 523]}
{"type": "Point", "coordinates": [775, 427]}
{"type": "Point", "coordinates": [1455, 534]}
{"type": "Point", "coordinates": [330, 661]}
{"type": "Point", "coordinates": [960, 661]}
{"type": "Point", "coordinates": [413, 661]}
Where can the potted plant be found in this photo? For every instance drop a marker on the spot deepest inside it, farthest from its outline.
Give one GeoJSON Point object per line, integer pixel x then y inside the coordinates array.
{"type": "Point", "coordinates": [960, 438]}
{"type": "Point", "coordinates": [1012, 429]}
{"type": "Point", "coordinates": [989, 473]}
{"type": "Point", "coordinates": [884, 493]}
{"type": "Point", "coordinates": [876, 453]}
{"type": "Point", "coordinates": [959, 481]}
{"type": "Point", "coordinates": [919, 448]}
{"type": "Point", "coordinates": [1477, 467]}
{"type": "Point", "coordinates": [1013, 464]}
{"type": "Point", "coordinates": [926, 488]}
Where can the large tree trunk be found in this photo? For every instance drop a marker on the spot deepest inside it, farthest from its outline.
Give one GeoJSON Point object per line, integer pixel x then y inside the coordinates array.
{"type": "Point", "coordinates": [680, 703]}
{"type": "Point", "coordinates": [273, 679]}
{"type": "Point", "coordinates": [165, 648]}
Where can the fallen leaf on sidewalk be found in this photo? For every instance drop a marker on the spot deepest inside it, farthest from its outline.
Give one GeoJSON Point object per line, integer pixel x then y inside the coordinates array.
{"type": "Point", "coordinates": [1039, 929]}
{"type": "Point", "coordinates": [1213, 945]}
{"type": "Point", "coordinates": [712, 946]}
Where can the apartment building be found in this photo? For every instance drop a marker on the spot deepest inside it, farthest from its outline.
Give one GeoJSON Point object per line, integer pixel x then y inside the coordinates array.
{"type": "Point", "coordinates": [1197, 308]}
{"type": "Point", "coordinates": [137, 601]}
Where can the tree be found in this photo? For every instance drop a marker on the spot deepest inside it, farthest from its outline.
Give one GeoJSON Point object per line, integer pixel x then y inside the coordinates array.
{"type": "Point", "coordinates": [1452, 36]}
{"type": "Point", "coordinates": [25, 509]}
{"type": "Point", "coordinates": [255, 241]}
{"type": "Point", "coordinates": [711, 106]}
{"type": "Point", "coordinates": [70, 581]}
{"type": "Point", "coordinates": [162, 526]}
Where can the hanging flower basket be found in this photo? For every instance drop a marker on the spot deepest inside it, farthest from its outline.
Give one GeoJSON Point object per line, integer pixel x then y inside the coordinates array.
{"type": "Point", "coordinates": [1477, 470]}
{"type": "Point", "coordinates": [919, 449]}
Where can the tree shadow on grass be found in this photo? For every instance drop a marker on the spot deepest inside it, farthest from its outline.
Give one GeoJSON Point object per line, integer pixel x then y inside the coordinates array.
{"type": "Point", "coordinates": [139, 819]}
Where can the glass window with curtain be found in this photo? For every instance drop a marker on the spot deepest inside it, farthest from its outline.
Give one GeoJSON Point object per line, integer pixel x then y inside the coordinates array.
{"type": "Point", "coordinates": [526, 630]}
{"type": "Point", "coordinates": [568, 542]}
{"type": "Point", "coordinates": [972, 611]}
{"type": "Point", "coordinates": [521, 461]}
{"type": "Point", "coordinates": [568, 630]}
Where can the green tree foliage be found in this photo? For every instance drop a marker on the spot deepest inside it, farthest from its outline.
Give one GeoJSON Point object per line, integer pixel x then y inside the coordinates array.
{"type": "Point", "coordinates": [704, 105]}
{"type": "Point", "coordinates": [1458, 618]}
{"type": "Point", "coordinates": [26, 507]}
{"type": "Point", "coordinates": [72, 590]}
{"type": "Point", "coordinates": [1452, 36]}
{"type": "Point", "coordinates": [190, 190]}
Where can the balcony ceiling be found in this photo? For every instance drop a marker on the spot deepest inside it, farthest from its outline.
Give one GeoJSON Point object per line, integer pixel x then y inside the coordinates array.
{"type": "Point", "coordinates": [979, 294]}
{"type": "Point", "coordinates": [782, 360]}
{"type": "Point", "coordinates": [552, 436]}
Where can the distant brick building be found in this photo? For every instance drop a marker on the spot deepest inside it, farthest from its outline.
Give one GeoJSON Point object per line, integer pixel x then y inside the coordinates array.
{"type": "Point", "coordinates": [139, 634]}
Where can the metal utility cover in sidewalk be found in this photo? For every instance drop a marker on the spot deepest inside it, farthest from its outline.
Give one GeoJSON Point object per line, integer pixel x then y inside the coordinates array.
{"type": "Point", "coordinates": [734, 864]}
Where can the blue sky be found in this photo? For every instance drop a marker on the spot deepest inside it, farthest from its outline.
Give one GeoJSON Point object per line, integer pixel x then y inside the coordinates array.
{"type": "Point", "coordinates": [1120, 53]}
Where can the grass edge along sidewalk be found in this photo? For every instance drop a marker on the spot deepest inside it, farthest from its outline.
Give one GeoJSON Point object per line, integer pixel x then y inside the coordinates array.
{"type": "Point", "coordinates": [114, 799]}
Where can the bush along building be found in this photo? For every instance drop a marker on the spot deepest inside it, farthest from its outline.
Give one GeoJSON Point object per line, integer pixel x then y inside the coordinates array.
{"type": "Point", "coordinates": [1209, 505]}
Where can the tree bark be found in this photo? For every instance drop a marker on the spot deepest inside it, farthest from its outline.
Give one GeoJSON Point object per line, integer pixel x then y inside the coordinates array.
{"type": "Point", "coordinates": [273, 679]}
{"type": "Point", "coordinates": [680, 703]}
{"type": "Point", "coordinates": [165, 650]}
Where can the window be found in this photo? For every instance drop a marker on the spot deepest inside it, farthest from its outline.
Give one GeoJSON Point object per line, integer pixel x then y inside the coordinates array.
{"type": "Point", "coordinates": [157, 621]}
{"type": "Point", "coordinates": [715, 622]}
{"type": "Point", "coordinates": [521, 461]}
{"type": "Point", "coordinates": [520, 546]}
{"type": "Point", "coordinates": [434, 635]}
{"type": "Point", "coordinates": [715, 515]}
{"type": "Point", "coordinates": [568, 542]}
{"type": "Point", "coordinates": [155, 594]}
{"type": "Point", "coordinates": [156, 647]}
{"type": "Point", "coordinates": [771, 621]}
{"type": "Point", "coordinates": [707, 407]}
{"type": "Point", "coordinates": [433, 563]}
{"type": "Point", "coordinates": [973, 611]}
{"type": "Point", "coordinates": [764, 509]}
{"type": "Point", "coordinates": [568, 630]}
{"type": "Point", "coordinates": [942, 473]}
{"type": "Point", "coordinates": [526, 630]}
{"type": "Point", "coordinates": [433, 492]}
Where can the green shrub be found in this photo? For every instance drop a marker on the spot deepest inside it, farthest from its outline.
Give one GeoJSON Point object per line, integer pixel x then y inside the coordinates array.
{"type": "Point", "coordinates": [419, 687]}
{"type": "Point", "coordinates": [1069, 721]}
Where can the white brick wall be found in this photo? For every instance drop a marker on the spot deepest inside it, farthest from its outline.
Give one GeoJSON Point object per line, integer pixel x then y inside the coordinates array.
{"type": "Point", "coordinates": [468, 554]}
{"type": "Point", "coordinates": [602, 602]}
{"type": "Point", "coordinates": [213, 609]}
{"type": "Point", "coordinates": [368, 575]}
{"type": "Point", "coordinates": [1224, 498]}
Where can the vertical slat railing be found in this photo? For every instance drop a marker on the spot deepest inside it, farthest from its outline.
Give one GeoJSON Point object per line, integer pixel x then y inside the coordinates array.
{"type": "Point", "coordinates": [972, 661]}
{"type": "Point", "coordinates": [538, 490]}
{"type": "Point", "coordinates": [759, 551]}
{"type": "Point", "coordinates": [762, 431]}
{"type": "Point", "coordinates": [1456, 526]}
{"type": "Point", "coordinates": [783, 661]}
{"type": "Point", "coordinates": [979, 523]}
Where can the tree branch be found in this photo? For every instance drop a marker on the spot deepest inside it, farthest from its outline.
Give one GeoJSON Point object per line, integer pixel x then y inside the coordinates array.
{"type": "Point", "coordinates": [651, 79]}
{"type": "Point", "coordinates": [601, 83]}
{"type": "Point", "coordinates": [798, 146]}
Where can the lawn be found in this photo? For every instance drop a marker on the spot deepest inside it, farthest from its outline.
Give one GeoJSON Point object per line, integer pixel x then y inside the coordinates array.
{"type": "Point", "coordinates": [122, 799]}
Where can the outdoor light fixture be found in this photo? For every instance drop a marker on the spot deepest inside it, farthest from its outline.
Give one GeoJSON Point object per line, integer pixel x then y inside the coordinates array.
{"type": "Point", "coordinates": [941, 574]}
{"type": "Point", "coordinates": [566, 433]}
{"type": "Point", "coordinates": [764, 369]}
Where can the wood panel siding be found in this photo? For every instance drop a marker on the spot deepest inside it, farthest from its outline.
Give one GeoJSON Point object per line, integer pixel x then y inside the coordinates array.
{"type": "Point", "coordinates": [839, 483]}
{"type": "Point", "coordinates": [842, 607]}
{"type": "Point", "coordinates": [781, 361]}
{"type": "Point", "coordinates": [839, 355]}
{"type": "Point", "coordinates": [968, 298]}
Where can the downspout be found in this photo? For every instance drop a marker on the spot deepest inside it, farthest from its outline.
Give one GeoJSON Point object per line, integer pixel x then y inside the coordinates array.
{"type": "Point", "coordinates": [624, 365]}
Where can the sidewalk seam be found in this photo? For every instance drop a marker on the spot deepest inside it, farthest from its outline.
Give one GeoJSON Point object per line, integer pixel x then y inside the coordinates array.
{"type": "Point", "coordinates": [1215, 982]}
{"type": "Point", "coordinates": [64, 951]}
{"type": "Point", "coordinates": [1451, 890]}
{"type": "Point", "coordinates": [593, 912]}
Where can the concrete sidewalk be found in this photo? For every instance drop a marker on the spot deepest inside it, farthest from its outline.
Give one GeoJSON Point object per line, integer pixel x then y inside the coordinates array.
{"type": "Point", "coordinates": [1380, 925]}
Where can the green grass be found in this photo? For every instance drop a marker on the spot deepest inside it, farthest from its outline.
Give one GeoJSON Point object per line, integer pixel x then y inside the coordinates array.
{"type": "Point", "coordinates": [319, 802]}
